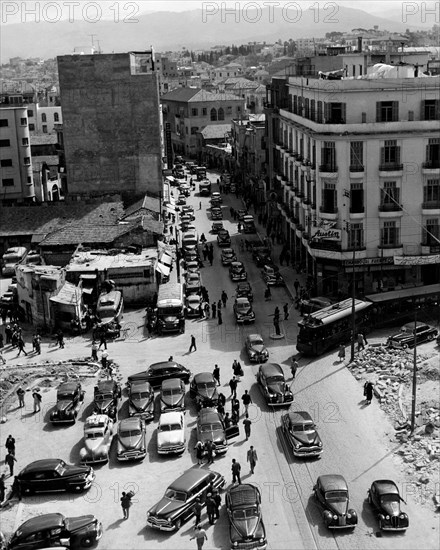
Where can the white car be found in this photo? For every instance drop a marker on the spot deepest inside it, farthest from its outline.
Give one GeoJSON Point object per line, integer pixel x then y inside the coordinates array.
{"type": "Point", "coordinates": [171, 433]}
{"type": "Point", "coordinates": [98, 434]}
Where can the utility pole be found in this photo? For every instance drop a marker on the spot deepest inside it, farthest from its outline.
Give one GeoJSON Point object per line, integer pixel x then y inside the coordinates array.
{"type": "Point", "coordinates": [414, 379]}
{"type": "Point", "coordinates": [353, 303]}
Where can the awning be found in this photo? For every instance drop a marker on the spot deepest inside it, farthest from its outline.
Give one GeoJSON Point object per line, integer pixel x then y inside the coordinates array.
{"type": "Point", "coordinates": [171, 208]}
{"type": "Point", "coordinates": [162, 269]}
{"type": "Point", "coordinates": [87, 290]}
{"type": "Point", "coordinates": [166, 259]}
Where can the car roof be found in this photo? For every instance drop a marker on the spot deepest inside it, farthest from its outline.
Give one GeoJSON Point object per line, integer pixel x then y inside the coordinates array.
{"type": "Point", "coordinates": [194, 298]}
{"type": "Point", "coordinates": [244, 284]}
{"type": "Point", "coordinates": [171, 417]}
{"type": "Point", "coordinates": [38, 523]}
{"type": "Point", "coordinates": [242, 300]}
{"type": "Point", "coordinates": [203, 377]}
{"type": "Point", "coordinates": [237, 264]}
{"type": "Point", "coordinates": [271, 369]}
{"type": "Point", "coordinates": [410, 326]}
{"type": "Point", "coordinates": [208, 415]}
{"type": "Point", "coordinates": [333, 482]}
{"type": "Point", "coordinates": [44, 464]}
{"type": "Point", "coordinates": [223, 232]}
{"type": "Point", "coordinates": [243, 495]}
{"type": "Point", "coordinates": [190, 479]}
{"type": "Point", "coordinates": [163, 365]}
{"type": "Point", "coordinates": [96, 420]}
{"type": "Point", "coordinates": [130, 423]}
{"type": "Point", "coordinates": [386, 487]}
{"type": "Point", "coordinates": [299, 417]}
{"type": "Point", "coordinates": [68, 386]}
{"type": "Point", "coordinates": [227, 250]}
{"type": "Point", "coordinates": [254, 336]}
{"type": "Point", "coordinates": [172, 384]}
{"type": "Point", "coordinates": [138, 385]}
{"type": "Point", "coordinates": [105, 385]}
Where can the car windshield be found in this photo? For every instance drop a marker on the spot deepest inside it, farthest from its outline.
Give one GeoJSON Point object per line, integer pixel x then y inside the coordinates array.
{"type": "Point", "coordinates": [169, 427]}
{"type": "Point", "coordinates": [140, 395]}
{"type": "Point", "coordinates": [390, 500]}
{"type": "Point", "coordinates": [277, 379]}
{"type": "Point", "coordinates": [256, 342]}
{"type": "Point", "coordinates": [94, 435]}
{"type": "Point", "coordinates": [131, 433]}
{"type": "Point", "coordinates": [65, 396]}
{"type": "Point", "coordinates": [336, 496]}
{"type": "Point", "coordinates": [170, 393]}
{"type": "Point", "coordinates": [303, 427]}
{"type": "Point", "coordinates": [103, 396]}
{"type": "Point", "coordinates": [211, 427]}
{"type": "Point", "coordinates": [206, 385]}
{"type": "Point", "coordinates": [175, 495]}
{"type": "Point", "coordinates": [60, 468]}
{"type": "Point", "coordinates": [247, 513]}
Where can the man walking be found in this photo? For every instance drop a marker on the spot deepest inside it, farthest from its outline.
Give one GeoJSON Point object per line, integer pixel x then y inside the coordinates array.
{"type": "Point", "coordinates": [247, 426]}
{"type": "Point", "coordinates": [294, 367]}
{"type": "Point", "coordinates": [276, 324]}
{"type": "Point", "coordinates": [218, 500]}
{"type": "Point", "coordinates": [216, 374]}
{"type": "Point", "coordinates": [210, 508]}
{"type": "Point", "coordinates": [236, 469]}
{"type": "Point", "coordinates": [224, 298]}
{"type": "Point", "coordinates": [219, 317]}
{"type": "Point", "coordinates": [37, 400]}
{"type": "Point", "coordinates": [360, 341]}
{"type": "Point", "coordinates": [296, 285]}
{"type": "Point", "coordinates": [214, 310]}
{"type": "Point", "coordinates": [103, 339]}
{"type": "Point", "coordinates": [197, 511]}
{"type": "Point", "coordinates": [233, 386]}
{"type": "Point", "coordinates": [252, 458]}
{"type": "Point", "coordinates": [20, 395]}
{"type": "Point", "coordinates": [94, 350]}
{"type": "Point", "coordinates": [193, 344]}
{"type": "Point", "coordinates": [60, 339]}
{"type": "Point", "coordinates": [200, 536]}
{"type": "Point", "coordinates": [2, 489]}
{"type": "Point", "coordinates": [125, 504]}
{"type": "Point", "coordinates": [247, 400]}
{"type": "Point", "coordinates": [10, 444]}
{"type": "Point", "coordinates": [9, 460]}
{"type": "Point", "coordinates": [286, 311]}
{"type": "Point", "coordinates": [21, 346]}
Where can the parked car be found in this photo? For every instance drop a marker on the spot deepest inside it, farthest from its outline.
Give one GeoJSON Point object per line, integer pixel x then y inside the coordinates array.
{"type": "Point", "coordinates": [300, 431]}
{"type": "Point", "coordinates": [181, 200]}
{"type": "Point", "coordinates": [185, 189]}
{"type": "Point", "coordinates": [98, 434]}
{"type": "Point", "coordinates": [211, 427]}
{"type": "Point", "coordinates": [223, 238]}
{"type": "Point", "coordinates": [53, 474]}
{"type": "Point", "coordinates": [385, 499]}
{"type": "Point", "coordinates": [262, 256]}
{"type": "Point", "coordinates": [255, 348]}
{"type": "Point", "coordinates": [215, 202]}
{"type": "Point", "coordinates": [228, 256]}
{"type": "Point", "coordinates": [193, 304]}
{"type": "Point", "coordinates": [237, 271]}
{"type": "Point", "coordinates": [171, 433]}
{"type": "Point", "coordinates": [70, 398]}
{"type": "Point", "coordinates": [314, 304]}
{"type": "Point", "coordinates": [241, 214]}
{"type": "Point", "coordinates": [273, 385]}
{"type": "Point", "coordinates": [216, 227]}
{"type": "Point", "coordinates": [216, 196]}
{"type": "Point", "coordinates": [407, 338]}
{"type": "Point", "coordinates": [55, 530]}
{"type": "Point", "coordinates": [246, 527]}
{"type": "Point", "coordinates": [191, 256]}
{"type": "Point", "coordinates": [141, 400]}
{"type": "Point", "coordinates": [193, 283]}
{"type": "Point", "coordinates": [177, 504]}
{"type": "Point", "coordinates": [244, 290]}
{"type": "Point", "coordinates": [192, 266]}
{"type": "Point", "coordinates": [272, 276]}
{"type": "Point", "coordinates": [203, 389]}
{"type": "Point", "coordinates": [331, 491]}
{"type": "Point", "coordinates": [158, 372]}
{"type": "Point", "coordinates": [172, 395]}
{"type": "Point", "coordinates": [243, 311]}
{"type": "Point", "coordinates": [106, 397]}
{"type": "Point", "coordinates": [132, 441]}
{"type": "Point", "coordinates": [216, 213]}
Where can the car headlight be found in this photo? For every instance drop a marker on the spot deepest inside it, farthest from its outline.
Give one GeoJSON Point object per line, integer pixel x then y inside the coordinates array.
{"type": "Point", "coordinates": [235, 543]}
{"type": "Point", "coordinates": [320, 444]}
{"type": "Point", "coordinates": [348, 516]}
{"type": "Point", "coordinates": [261, 540]}
{"type": "Point", "coordinates": [148, 514]}
{"type": "Point", "coordinates": [335, 517]}
{"type": "Point", "coordinates": [387, 517]}
{"type": "Point", "coordinates": [402, 516]}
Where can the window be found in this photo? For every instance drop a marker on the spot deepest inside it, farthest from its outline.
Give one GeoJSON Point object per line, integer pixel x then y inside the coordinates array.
{"type": "Point", "coordinates": [27, 161]}
{"type": "Point", "coordinates": [356, 156]}
{"type": "Point", "coordinates": [44, 129]}
{"type": "Point", "coordinates": [25, 141]}
{"type": "Point", "coordinates": [29, 179]}
{"type": "Point", "coordinates": [433, 153]}
{"type": "Point", "coordinates": [390, 234]}
{"type": "Point", "coordinates": [5, 163]}
{"type": "Point", "coordinates": [8, 182]}
{"type": "Point", "coordinates": [5, 143]}
{"type": "Point", "coordinates": [387, 111]}
{"type": "Point", "coordinates": [307, 108]}
{"type": "Point", "coordinates": [430, 109]}
{"type": "Point", "coordinates": [295, 104]}
{"type": "Point", "coordinates": [229, 110]}
{"type": "Point", "coordinates": [213, 114]}
{"type": "Point", "coordinates": [4, 122]}
{"type": "Point", "coordinates": [56, 117]}
{"type": "Point", "coordinates": [356, 236]}
{"type": "Point", "coordinates": [31, 127]}
{"type": "Point", "coordinates": [30, 113]}
{"type": "Point", "coordinates": [431, 192]}
{"type": "Point", "coordinates": [431, 232]}
{"type": "Point", "coordinates": [390, 196]}
{"type": "Point", "coordinates": [320, 112]}
{"type": "Point", "coordinates": [390, 156]}
{"type": "Point", "coordinates": [335, 113]}
{"type": "Point", "coordinates": [313, 110]}
{"type": "Point", "coordinates": [23, 121]}
{"type": "Point", "coordinates": [221, 114]}
{"type": "Point", "coordinates": [356, 198]}
{"type": "Point", "coordinates": [204, 111]}
{"type": "Point", "coordinates": [43, 117]}
{"type": "Point", "coordinates": [194, 130]}
{"type": "Point", "coordinates": [410, 116]}
{"type": "Point", "coordinates": [194, 112]}
{"type": "Point", "coordinates": [329, 198]}
{"type": "Point", "coordinates": [328, 157]}
{"type": "Point", "coordinates": [238, 109]}
{"type": "Point", "coordinates": [364, 118]}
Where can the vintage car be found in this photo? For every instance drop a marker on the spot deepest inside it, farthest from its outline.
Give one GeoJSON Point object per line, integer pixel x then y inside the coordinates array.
{"type": "Point", "coordinates": [300, 431]}
{"type": "Point", "coordinates": [70, 398]}
{"type": "Point", "coordinates": [98, 434]}
{"type": "Point", "coordinates": [211, 427]}
{"type": "Point", "coordinates": [223, 238]}
{"type": "Point", "coordinates": [188, 210]}
{"type": "Point", "coordinates": [158, 372]}
{"type": "Point", "coordinates": [181, 200]}
{"type": "Point", "coordinates": [244, 290]}
{"type": "Point", "coordinates": [177, 504]}
{"type": "Point", "coordinates": [243, 311]}
{"type": "Point", "coordinates": [228, 256]}
{"type": "Point", "coordinates": [141, 400]}
{"type": "Point", "coordinates": [241, 214]}
{"type": "Point", "coordinates": [237, 271]}
{"type": "Point", "coordinates": [193, 305]}
{"type": "Point", "coordinates": [172, 395]}
{"type": "Point", "coordinates": [272, 276]}
{"type": "Point", "coordinates": [171, 433]}
{"type": "Point", "coordinates": [192, 266]}
{"type": "Point", "coordinates": [216, 227]}
{"type": "Point", "coordinates": [261, 255]}
{"type": "Point", "coordinates": [273, 385]}
{"type": "Point", "coordinates": [185, 189]}
{"type": "Point", "coordinates": [53, 474]}
{"type": "Point", "coordinates": [191, 256]}
{"type": "Point", "coordinates": [193, 283]}
{"type": "Point", "coordinates": [132, 442]}
{"type": "Point", "coordinates": [246, 527]}
{"type": "Point", "coordinates": [185, 220]}
{"type": "Point", "coordinates": [216, 196]}
{"type": "Point", "coordinates": [407, 337]}
{"type": "Point", "coordinates": [216, 213]}
{"type": "Point", "coordinates": [331, 491]}
{"type": "Point", "coordinates": [249, 224]}
{"type": "Point", "coordinates": [385, 499]}
{"type": "Point", "coordinates": [203, 389]}
{"type": "Point", "coordinates": [55, 530]}
{"type": "Point", "coordinates": [314, 304]}
{"type": "Point", "coordinates": [255, 348]}
{"type": "Point", "coordinates": [106, 397]}
{"type": "Point", "coordinates": [215, 202]}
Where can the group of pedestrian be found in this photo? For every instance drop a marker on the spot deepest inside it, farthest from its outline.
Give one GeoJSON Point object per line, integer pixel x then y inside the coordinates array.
{"type": "Point", "coordinates": [208, 253]}
{"type": "Point", "coordinates": [10, 456]}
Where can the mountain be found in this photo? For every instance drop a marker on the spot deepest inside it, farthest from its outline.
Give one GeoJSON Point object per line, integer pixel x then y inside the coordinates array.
{"type": "Point", "coordinates": [192, 29]}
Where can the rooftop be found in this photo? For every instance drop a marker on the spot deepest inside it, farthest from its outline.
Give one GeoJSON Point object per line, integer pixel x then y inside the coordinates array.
{"type": "Point", "coordinates": [75, 234]}
{"type": "Point", "coordinates": [215, 131]}
{"type": "Point", "coordinates": [197, 95]}
{"type": "Point", "coordinates": [43, 139]}
{"type": "Point", "coordinates": [103, 259]}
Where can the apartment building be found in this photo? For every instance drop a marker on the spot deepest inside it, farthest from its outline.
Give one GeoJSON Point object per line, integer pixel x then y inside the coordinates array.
{"type": "Point", "coordinates": [356, 167]}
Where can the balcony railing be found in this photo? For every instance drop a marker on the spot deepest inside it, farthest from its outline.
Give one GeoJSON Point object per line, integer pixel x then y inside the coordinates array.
{"type": "Point", "coordinates": [431, 164]}
{"type": "Point", "coordinates": [356, 168]}
{"type": "Point", "coordinates": [390, 167]}
{"type": "Point", "coordinates": [431, 205]}
{"type": "Point", "coordinates": [328, 209]}
{"type": "Point", "coordinates": [357, 210]}
{"type": "Point", "coordinates": [390, 207]}
{"type": "Point", "coordinates": [328, 168]}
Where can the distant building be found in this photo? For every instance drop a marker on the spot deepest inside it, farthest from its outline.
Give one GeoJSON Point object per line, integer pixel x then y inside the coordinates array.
{"type": "Point", "coordinates": [111, 126]}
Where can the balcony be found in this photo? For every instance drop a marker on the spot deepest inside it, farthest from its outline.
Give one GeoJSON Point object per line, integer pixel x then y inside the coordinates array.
{"type": "Point", "coordinates": [390, 207]}
{"type": "Point", "coordinates": [431, 167]}
{"type": "Point", "coordinates": [329, 212]}
{"type": "Point", "coordinates": [390, 169]}
{"type": "Point", "coordinates": [356, 170]}
{"type": "Point", "coordinates": [328, 170]}
{"type": "Point", "coordinates": [431, 208]}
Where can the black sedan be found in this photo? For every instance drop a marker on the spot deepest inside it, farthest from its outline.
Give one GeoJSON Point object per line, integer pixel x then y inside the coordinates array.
{"type": "Point", "coordinates": [331, 491]}
{"type": "Point", "coordinates": [203, 389]}
{"type": "Point", "coordinates": [158, 372]}
{"type": "Point", "coordinates": [408, 336]}
{"type": "Point", "coordinates": [273, 385]}
{"type": "Point", "coordinates": [246, 529]}
{"type": "Point", "coordinates": [237, 271]}
{"type": "Point", "coordinates": [255, 348]}
{"type": "Point", "coordinates": [385, 498]}
{"type": "Point", "coordinates": [300, 431]}
{"type": "Point", "coordinates": [172, 395]}
{"type": "Point", "coordinates": [141, 400]}
{"type": "Point", "coordinates": [228, 256]}
{"type": "Point", "coordinates": [223, 238]}
{"type": "Point", "coordinates": [244, 290]}
{"type": "Point", "coordinates": [53, 474]}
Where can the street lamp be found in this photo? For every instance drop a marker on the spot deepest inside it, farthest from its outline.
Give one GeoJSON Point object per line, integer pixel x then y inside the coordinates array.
{"type": "Point", "coordinates": [353, 295]}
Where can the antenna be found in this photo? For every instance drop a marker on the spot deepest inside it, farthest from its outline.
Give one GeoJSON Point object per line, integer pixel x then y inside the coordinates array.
{"type": "Point", "coordinates": [92, 35]}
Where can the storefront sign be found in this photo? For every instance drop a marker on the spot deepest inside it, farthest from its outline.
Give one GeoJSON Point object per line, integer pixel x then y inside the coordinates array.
{"type": "Point", "coordinates": [326, 234]}
{"type": "Point", "coordinates": [368, 261]}
{"type": "Point", "coordinates": [417, 260]}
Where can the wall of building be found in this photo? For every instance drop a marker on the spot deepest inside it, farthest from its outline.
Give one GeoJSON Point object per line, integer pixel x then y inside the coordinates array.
{"type": "Point", "coordinates": [111, 125]}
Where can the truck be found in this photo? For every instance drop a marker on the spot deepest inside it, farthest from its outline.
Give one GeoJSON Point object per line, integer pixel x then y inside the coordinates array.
{"type": "Point", "coordinates": [170, 308]}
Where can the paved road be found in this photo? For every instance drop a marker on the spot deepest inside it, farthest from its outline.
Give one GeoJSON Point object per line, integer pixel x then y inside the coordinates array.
{"type": "Point", "coordinates": [356, 439]}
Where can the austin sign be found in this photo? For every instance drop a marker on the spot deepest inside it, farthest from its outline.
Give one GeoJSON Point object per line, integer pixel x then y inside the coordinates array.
{"type": "Point", "coordinates": [326, 234]}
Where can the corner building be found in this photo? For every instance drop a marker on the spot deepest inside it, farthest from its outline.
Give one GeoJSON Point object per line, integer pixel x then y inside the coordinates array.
{"type": "Point", "coordinates": [355, 165]}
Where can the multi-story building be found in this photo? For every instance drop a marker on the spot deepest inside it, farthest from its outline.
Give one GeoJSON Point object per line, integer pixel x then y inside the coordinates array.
{"type": "Point", "coordinates": [356, 166]}
{"type": "Point", "coordinates": [17, 183]}
{"type": "Point", "coordinates": [188, 110]}
{"type": "Point", "coordinates": [111, 126]}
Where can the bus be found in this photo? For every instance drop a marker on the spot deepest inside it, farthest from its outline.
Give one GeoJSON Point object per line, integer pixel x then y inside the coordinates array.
{"type": "Point", "coordinates": [330, 326]}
